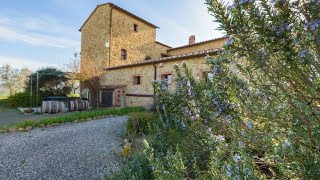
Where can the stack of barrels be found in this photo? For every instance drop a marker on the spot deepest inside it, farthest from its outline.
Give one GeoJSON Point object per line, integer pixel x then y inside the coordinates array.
{"type": "Point", "coordinates": [78, 105]}
{"type": "Point", "coordinates": [52, 107]}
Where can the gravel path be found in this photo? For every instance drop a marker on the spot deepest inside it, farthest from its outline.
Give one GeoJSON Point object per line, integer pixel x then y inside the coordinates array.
{"type": "Point", "coordinates": [72, 151]}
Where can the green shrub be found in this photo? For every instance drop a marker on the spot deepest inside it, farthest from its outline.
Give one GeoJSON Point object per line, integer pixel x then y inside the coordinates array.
{"type": "Point", "coordinates": [21, 99]}
{"type": "Point", "coordinates": [169, 166]}
{"type": "Point", "coordinates": [3, 104]}
{"type": "Point", "coordinates": [136, 169]}
{"type": "Point", "coordinates": [258, 117]}
{"type": "Point", "coordinates": [139, 123]}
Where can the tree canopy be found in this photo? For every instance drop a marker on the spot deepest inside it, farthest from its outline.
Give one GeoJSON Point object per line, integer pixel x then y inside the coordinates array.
{"type": "Point", "coordinates": [13, 80]}
{"type": "Point", "coordinates": [52, 82]}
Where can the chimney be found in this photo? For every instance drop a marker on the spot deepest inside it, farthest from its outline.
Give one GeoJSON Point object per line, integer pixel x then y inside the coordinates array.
{"type": "Point", "coordinates": [192, 39]}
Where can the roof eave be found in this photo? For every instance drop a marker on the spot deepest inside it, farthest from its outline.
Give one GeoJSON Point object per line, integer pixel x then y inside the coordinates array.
{"type": "Point", "coordinates": [121, 9]}
{"type": "Point", "coordinates": [163, 44]}
{"type": "Point", "coordinates": [133, 15]}
{"type": "Point", "coordinates": [185, 46]}
{"type": "Point", "coordinates": [91, 15]}
{"type": "Point", "coordinates": [162, 60]}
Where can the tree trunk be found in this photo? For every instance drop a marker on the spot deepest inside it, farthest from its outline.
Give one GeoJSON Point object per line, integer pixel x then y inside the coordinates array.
{"type": "Point", "coordinates": [94, 88]}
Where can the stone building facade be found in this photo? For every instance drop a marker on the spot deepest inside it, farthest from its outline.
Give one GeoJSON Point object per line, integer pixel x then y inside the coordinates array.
{"type": "Point", "coordinates": [127, 47]}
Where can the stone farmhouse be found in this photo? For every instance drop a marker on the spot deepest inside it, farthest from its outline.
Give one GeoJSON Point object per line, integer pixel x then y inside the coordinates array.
{"type": "Point", "coordinates": [133, 58]}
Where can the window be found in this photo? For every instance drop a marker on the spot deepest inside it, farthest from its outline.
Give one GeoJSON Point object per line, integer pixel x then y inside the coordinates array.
{"type": "Point", "coordinates": [123, 54]}
{"type": "Point", "coordinates": [135, 27]}
{"type": "Point", "coordinates": [206, 76]}
{"type": "Point", "coordinates": [167, 78]}
{"type": "Point", "coordinates": [147, 58]}
{"type": "Point", "coordinates": [137, 80]}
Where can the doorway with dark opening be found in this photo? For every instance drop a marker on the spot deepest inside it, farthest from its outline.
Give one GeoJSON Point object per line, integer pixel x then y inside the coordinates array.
{"type": "Point", "coordinates": [106, 98]}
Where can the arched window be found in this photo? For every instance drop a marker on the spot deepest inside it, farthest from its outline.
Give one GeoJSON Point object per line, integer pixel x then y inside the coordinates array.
{"type": "Point", "coordinates": [123, 54]}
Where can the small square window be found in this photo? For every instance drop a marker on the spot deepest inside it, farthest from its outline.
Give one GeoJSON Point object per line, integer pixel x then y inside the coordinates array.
{"type": "Point", "coordinates": [167, 78]}
{"type": "Point", "coordinates": [147, 58]}
{"type": "Point", "coordinates": [137, 80]}
{"type": "Point", "coordinates": [123, 54]}
{"type": "Point", "coordinates": [135, 27]}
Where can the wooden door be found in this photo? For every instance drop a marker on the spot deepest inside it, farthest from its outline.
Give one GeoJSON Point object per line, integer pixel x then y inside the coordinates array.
{"type": "Point", "coordinates": [106, 99]}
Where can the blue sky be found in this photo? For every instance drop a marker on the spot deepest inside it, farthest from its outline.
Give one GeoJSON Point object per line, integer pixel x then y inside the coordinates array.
{"type": "Point", "coordinates": [37, 33]}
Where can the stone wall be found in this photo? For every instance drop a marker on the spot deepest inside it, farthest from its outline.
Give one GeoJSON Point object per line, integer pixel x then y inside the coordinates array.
{"type": "Point", "coordinates": [125, 76]}
{"type": "Point", "coordinates": [214, 44]}
{"type": "Point", "coordinates": [137, 44]}
{"type": "Point", "coordinates": [157, 49]}
{"type": "Point", "coordinates": [94, 34]}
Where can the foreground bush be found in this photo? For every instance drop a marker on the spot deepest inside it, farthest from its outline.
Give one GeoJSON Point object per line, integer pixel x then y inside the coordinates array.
{"type": "Point", "coordinates": [220, 137]}
{"type": "Point", "coordinates": [259, 116]}
{"type": "Point", "coordinates": [204, 132]}
{"type": "Point", "coordinates": [136, 169]}
{"type": "Point", "coordinates": [139, 123]}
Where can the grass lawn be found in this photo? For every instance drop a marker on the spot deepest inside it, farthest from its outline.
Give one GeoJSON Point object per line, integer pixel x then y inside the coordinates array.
{"type": "Point", "coordinates": [69, 117]}
{"type": "Point", "coordinates": [13, 118]}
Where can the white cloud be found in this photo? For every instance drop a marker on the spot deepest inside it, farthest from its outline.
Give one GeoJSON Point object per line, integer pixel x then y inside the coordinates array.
{"type": "Point", "coordinates": [12, 35]}
{"type": "Point", "coordinates": [197, 20]}
{"type": "Point", "coordinates": [19, 63]}
{"type": "Point", "coordinates": [40, 31]}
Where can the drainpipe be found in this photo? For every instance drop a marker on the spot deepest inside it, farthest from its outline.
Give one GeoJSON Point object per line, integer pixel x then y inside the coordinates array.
{"type": "Point", "coordinates": [155, 72]}
{"type": "Point", "coordinates": [155, 78]}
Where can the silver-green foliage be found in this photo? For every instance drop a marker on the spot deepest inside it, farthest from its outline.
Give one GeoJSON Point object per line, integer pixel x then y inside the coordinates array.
{"type": "Point", "coordinates": [259, 116]}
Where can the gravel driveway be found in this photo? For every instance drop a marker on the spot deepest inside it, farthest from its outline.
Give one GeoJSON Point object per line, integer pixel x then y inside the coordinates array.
{"type": "Point", "coordinates": [72, 151]}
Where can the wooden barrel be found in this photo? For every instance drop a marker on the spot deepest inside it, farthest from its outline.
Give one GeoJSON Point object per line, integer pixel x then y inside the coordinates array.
{"type": "Point", "coordinates": [52, 107]}
{"type": "Point", "coordinates": [78, 105]}
{"type": "Point", "coordinates": [71, 106]}
{"type": "Point", "coordinates": [82, 105]}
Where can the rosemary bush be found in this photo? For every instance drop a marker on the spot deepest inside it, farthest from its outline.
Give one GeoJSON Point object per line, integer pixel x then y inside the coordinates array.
{"type": "Point", "coordinates": [259, 116]}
